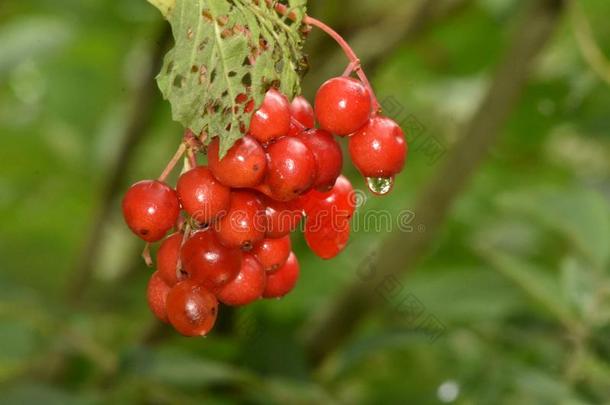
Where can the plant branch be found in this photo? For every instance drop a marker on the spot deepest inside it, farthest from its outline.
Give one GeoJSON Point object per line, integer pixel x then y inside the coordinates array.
{"type": "Point", "coordinates": [400, 252]}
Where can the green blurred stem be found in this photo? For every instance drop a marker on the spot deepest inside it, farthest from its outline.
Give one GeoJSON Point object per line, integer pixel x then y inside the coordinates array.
{"type": "Point", "coordinates": [400, 252]}
{"type": "Point", "coordinates": [589, 48]}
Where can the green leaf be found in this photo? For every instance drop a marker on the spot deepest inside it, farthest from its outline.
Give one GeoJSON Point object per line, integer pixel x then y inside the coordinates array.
{"type": "Point", "coordinates": [582, 217]}
{"type": "Point", "coordinates": [224, 49]}
{"type": "Point", "coordinates": [578, 284]}
{"type": "Point", "coordinates": [286, 391]}
{"type": "Point", "coordinates": [18, 342]}
{"type": "Point", "coordinates": [33, 392]}
{"type": "Point", "coordinates": [165, 6]}
{"type": "Point", "coordinates": [535, 282]}
{"type": "Point", "coordinates": [179, 368]}
{"type": "Point", "coordinates": [535, 386]}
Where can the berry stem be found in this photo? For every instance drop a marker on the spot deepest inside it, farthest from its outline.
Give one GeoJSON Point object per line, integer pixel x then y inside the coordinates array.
{"type": "Point", "coordinates": [298, 124]}
{"type": "Point", "coordinates": [351, 67]}
{"type": "Point", "coordinates": [146, 255]}
{"type": "Point", "coordinates": [185, 237]}
{"type": "Point", "coordinates": [347, 49]}
{"type": "Point", "coordinates": [180, 223]}
{"type": "Point", "coordinates": [190, 143]}
{"type": "Point", "coordinates": [192, 159]}
{"type": "Point", "coordinates": [173, 162]}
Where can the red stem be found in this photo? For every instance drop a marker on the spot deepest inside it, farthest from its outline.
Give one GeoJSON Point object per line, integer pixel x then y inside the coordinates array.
{"type": "Point", "coordinates": [192, 158]}
{"type": "Point", "coordinates": [191, 143]}
{"type": "Point", "coordinates": [350, 68]}
{"type": "Point", "coordinates": [349, 52]}
{"type": "Point", "coordinates": [185, 236]}
{"type": "Point", "coordinates": [298, 124]}
{"type": "Point", "coordinates": [173, 162]}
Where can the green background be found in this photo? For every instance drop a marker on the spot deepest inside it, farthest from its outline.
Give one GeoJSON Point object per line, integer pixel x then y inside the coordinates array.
{"type": "Point", "coordinates": [517, 279]}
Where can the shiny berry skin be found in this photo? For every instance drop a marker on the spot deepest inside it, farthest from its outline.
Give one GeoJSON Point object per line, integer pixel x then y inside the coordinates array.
{"type": "Point", "coordinates": [244, 164]}
{"type": "Point", "coordinates": [272, 253]}
{"type": "Point", "coordinates": [156, 295]}
{"type": "Point", "coordinates": [302, 111]}
{"type": "Point", "coordinates": [284, 279]}
{"type": "Point", "coordinates": [202, 196]}
{"type": "Point", "coordinates": [272, 119]}
{"type": "Point", "coordinates": [295, 129]}
{"type": "Point", "coordinates": [191, 309]}
{"type": "Point", "coordinates": [151, 209]}
{"type": "Point", "coordinates": [247, 287]}
{"type": "Point", "coordinates": [282, 218]}
{"type": "Point", "coordinates": [328, 155]}
{"type": "Point", "coordinates": [343, 105]}
{"type": "Point", "coordinates": [291, 168]}
{"type": "Point", "coordinates": [378, 149]}
{"type": "Point", "coordinates": [264, 189]}
{"type": "Point", "coordinates": [327, 236]}
{"type": "Point", "coordinates": [339, 200]}
{"type": "Point", "coordinates": [209, 263]}
{"type": "Point", "coordinates": [327, 227]}
{"type": "Point", "coordinates": [167, 258]}
{"type": "Point", "coordinates": [244, 224]}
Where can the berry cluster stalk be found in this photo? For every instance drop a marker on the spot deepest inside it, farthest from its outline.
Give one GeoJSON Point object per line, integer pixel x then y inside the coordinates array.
{"type": "Point", "coordinates": [354, 65]}
{"type": "Point", "coordinates": [190, 145]}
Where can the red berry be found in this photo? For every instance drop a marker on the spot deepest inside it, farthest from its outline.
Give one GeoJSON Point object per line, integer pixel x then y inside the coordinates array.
{"type": "Point", "coordinates": [343, 105]}
{"type": "Point", "coordinates": [244, 224]}
{"type": "Point", "coordinates": [379, 148]}
{"type": "Point", "coordinates": [339, 200]}
{"type": "Point", "coordinates": [282, 218]}
{"type": "Point", "coordinates": [209, 263]}
{"type": "Point", "coordinates": [291, 168]}
{"type": "Point", "coordinates": [167, 258]}
{"type": "Point", "coordinates": [272, 253]}
{"type": "Point", "coordinates": [328, 156]}
{"type": "Point", "coordinates": [327, 227]}
{"type": "Point", "coordinates": [272, 119]}
{"type": "Point", "coordinates": [156, 294]}
{"type": "Point", "coordinates": [191, 309]}
{"type": "Point", "coordinates": [327, 236]}
{"type": "Point", "coordinates": [264, 189]}
{"type": "Point", "coordinates": [243, 166]}
{"type": "Point", "coordinates": [295, 129]}
{"type": "Point", "coordinates": [283, 280]}
{"type": "Point", "coordinates": [202, 196]}
{"type": "Point", "coordinates": [150, 209]}
{"type": "Point", "coordinates": [248, 286]}
{"type": "Point", "coordinates": [302, 111]}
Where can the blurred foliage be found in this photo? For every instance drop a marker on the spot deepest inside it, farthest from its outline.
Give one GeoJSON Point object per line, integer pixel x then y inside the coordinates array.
{"type": "Point", "coordinates": [519, 277]}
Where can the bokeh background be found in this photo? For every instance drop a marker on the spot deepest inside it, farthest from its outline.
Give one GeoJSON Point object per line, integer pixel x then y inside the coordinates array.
{"type": "Point", "coordinates": [497, 292]}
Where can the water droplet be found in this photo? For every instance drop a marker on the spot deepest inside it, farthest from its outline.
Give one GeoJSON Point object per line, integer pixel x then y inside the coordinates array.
{"type": "Point", "coordinates": [380, 185]}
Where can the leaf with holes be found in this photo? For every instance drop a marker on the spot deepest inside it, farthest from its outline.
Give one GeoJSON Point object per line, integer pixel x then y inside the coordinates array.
{"type": "Point", "coordinates": [225, 49]}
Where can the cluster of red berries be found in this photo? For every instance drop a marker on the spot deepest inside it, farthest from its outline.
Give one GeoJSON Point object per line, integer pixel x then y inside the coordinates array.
{"type": "Point", "coordinates": [233, 244]}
